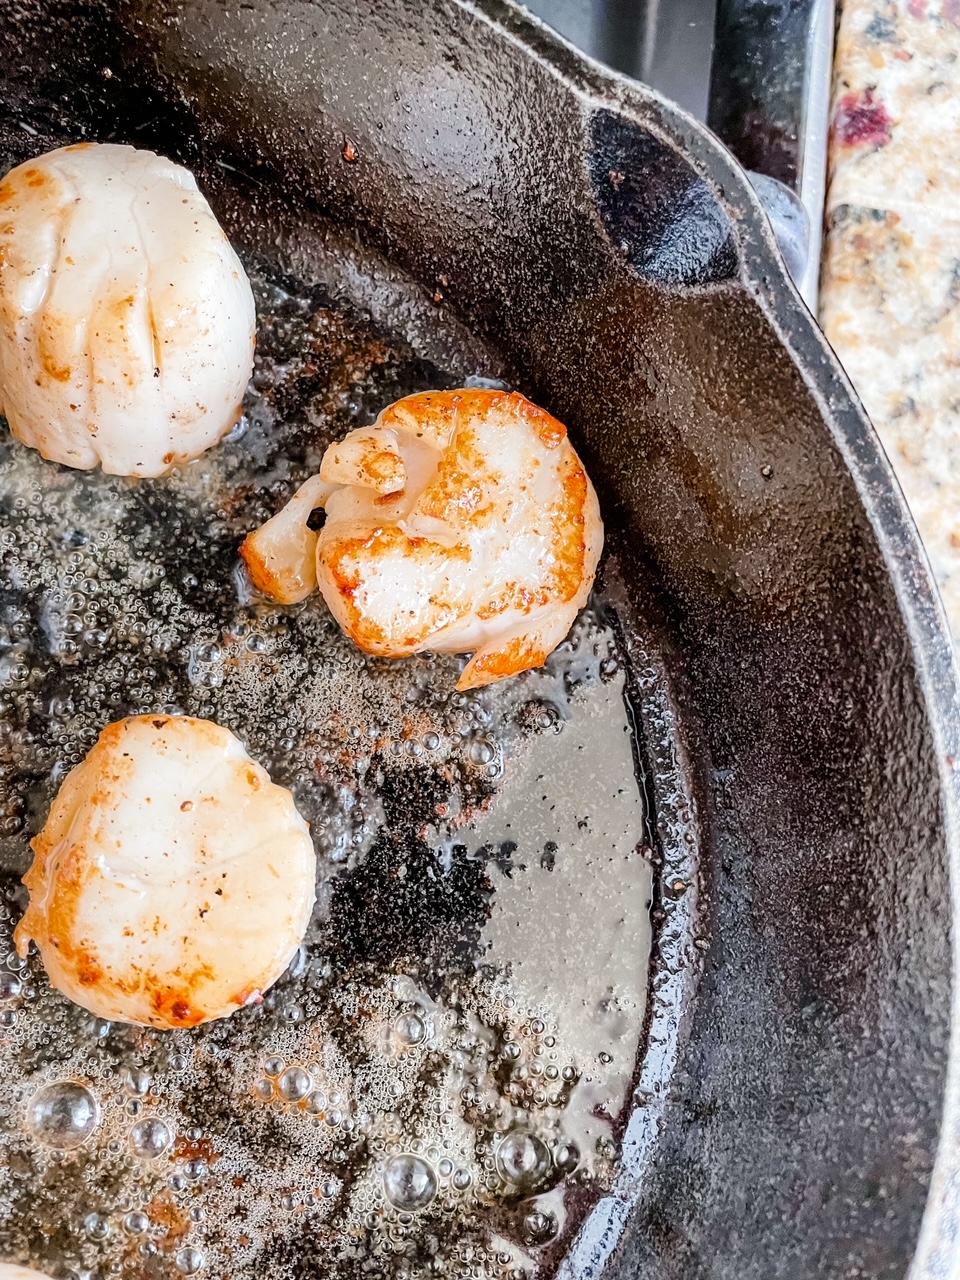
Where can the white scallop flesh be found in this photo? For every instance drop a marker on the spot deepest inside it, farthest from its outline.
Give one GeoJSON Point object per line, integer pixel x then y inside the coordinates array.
{"type": "Point", "coordinates": [460, 521]}
{"type": "Point", "coordinates": [173, 881]}
{"type": "Point", "coordinates": [13, 1271]}
{"type": "Point", "coordinates": [127, 323]}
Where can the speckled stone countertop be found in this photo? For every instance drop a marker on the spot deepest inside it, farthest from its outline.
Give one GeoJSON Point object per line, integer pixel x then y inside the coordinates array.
{"type": "Point", "coordinates": [890, 289]}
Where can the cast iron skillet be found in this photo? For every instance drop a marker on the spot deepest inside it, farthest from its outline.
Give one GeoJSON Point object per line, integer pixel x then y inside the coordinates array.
{"type": "Point", "coordinates": [796, 1112]}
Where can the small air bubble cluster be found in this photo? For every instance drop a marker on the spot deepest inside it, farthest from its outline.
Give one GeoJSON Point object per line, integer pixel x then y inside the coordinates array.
{"type": "Point", "coordinates": [413, 1077]}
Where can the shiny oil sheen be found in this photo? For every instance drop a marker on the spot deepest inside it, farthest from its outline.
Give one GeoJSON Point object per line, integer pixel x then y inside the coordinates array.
{"type": "Point", "coordinates": [442, 1075]}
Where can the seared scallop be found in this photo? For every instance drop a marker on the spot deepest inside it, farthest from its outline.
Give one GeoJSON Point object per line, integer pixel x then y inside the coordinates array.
{"type": "Point", "coordinates": [127, 323]}
{"type": "Point", "coordinates": [13, 1271]}
{"type": "Point", "coordinates": [173, 881]}
{"type": "Point", "coordinates": [461, 521]}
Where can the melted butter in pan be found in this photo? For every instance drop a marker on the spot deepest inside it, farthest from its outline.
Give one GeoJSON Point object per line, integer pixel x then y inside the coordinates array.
{"type": "Point", "coordinates": [440, 1078]}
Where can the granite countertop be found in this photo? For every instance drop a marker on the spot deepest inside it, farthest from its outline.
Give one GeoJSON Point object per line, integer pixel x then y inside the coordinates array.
{"type": "Point", "coordinates": [890, 288]}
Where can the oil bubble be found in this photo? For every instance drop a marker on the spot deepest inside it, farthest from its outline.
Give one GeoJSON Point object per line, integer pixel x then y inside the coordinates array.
{"type": "Point", "coordinates": [567, 1156]}
{"type": "Point", "coordinates": [539, 1227]}
{"type": "Point", "coordinates": [294, 1084]}
{"type": "Point", "coordinates": [523, 1159]}
{"type": "Point", "coordinates": [62, 1115]}
{"type": "Point", "coordinates": [548, 718]}
{"type": "Point", "coordinates": [136, 1224]}
{"type": "Point", "coordinates": [136, 1081]}
{"type": "Point", "coordinates": [10, 986]}
{"type": "Point", "coordinates": [96, 1227]}
{"type": "Point", "coordinates": [481, 751]}
{"type": "Point", "coordinates": [409, 1182]}
{"type": "Point", "coordinates": [150, 1138]}
{"type": "Point", "coordinates": [462, 1179]}
{"type": "Point", "coordinates": [410, 1029]}
{"type": "Point", "coordinates": [189, 1261]}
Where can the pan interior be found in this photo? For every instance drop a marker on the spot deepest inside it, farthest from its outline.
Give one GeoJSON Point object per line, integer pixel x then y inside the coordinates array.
{"type": "Point", "coordinates": [440, 1082]}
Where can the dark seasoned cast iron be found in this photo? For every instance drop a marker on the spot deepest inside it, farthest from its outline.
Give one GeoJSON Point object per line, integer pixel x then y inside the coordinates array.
{"type": "Point", "coordinates": [612, 257]}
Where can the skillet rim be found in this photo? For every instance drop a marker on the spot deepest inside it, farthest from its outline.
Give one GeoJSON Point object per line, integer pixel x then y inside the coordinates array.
{"type": "Point", "coordinates": [764, 274]}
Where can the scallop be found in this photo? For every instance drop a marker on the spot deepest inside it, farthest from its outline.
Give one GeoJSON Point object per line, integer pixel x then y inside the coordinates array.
{"type": "Point", "coordinates": [173, 881]}
{"type": "Point", "coordinates": [13, 1271]}
{"type": "Point", "coordinates": [127, 323]}
{"type": "Point", "coordinates": [460, 521]}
